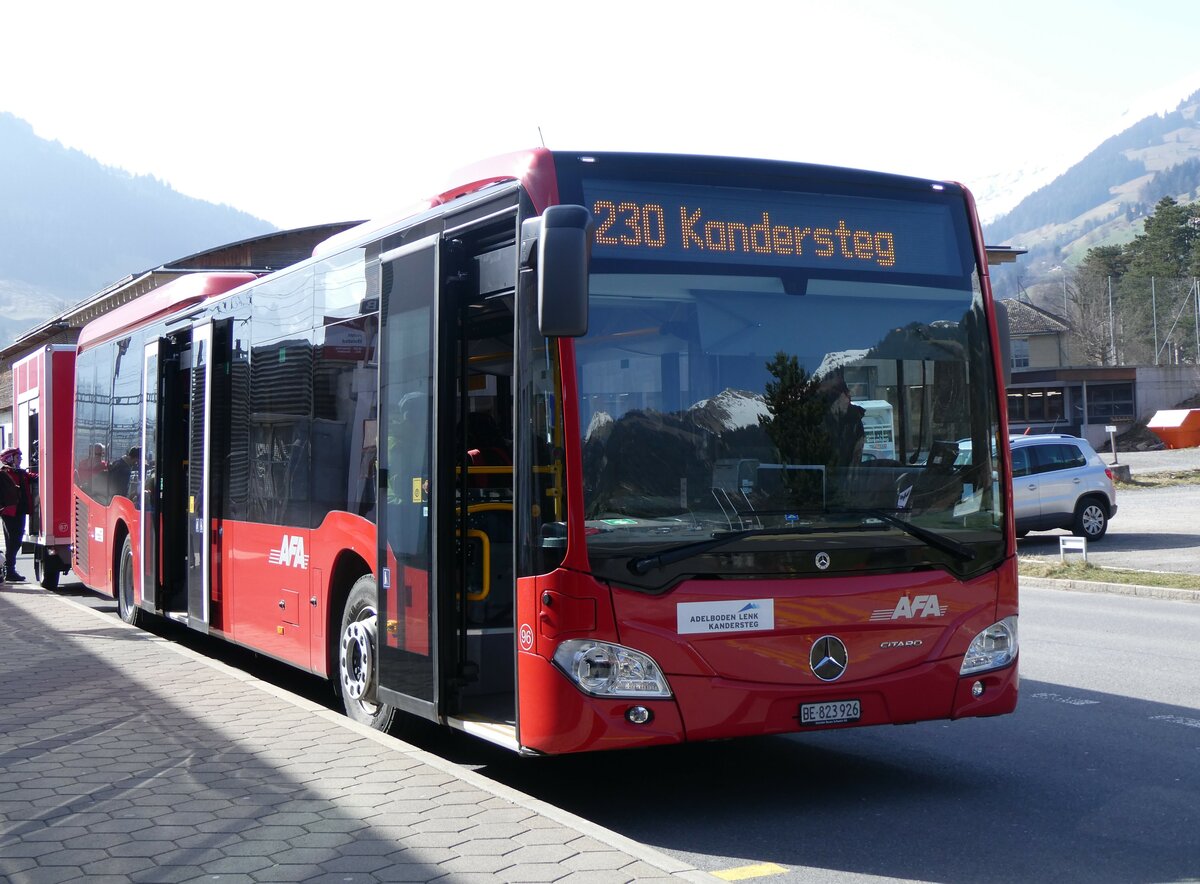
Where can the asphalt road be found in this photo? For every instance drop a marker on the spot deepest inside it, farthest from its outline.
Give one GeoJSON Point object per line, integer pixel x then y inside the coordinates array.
{"type": "Point", "coordinates": [1096, 777]}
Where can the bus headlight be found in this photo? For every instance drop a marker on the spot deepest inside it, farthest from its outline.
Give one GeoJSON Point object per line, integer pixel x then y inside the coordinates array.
{"type": "Point", "coordinates": [603, 669]}
{"type": "Point", "coordinates": [993, 648]}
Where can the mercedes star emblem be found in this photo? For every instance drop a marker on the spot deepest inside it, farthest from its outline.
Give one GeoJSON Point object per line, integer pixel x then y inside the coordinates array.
{"type": "Point", "coordinates": [823, 560]}
{"type": "Point", "coordinates": [828, 658]}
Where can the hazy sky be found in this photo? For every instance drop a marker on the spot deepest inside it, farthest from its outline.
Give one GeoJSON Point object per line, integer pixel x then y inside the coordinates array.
{"type": "Point", "coordinates": [303, 112]}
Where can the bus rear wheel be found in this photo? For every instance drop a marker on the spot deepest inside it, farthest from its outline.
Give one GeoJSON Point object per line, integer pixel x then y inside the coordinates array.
{"type": "Point", "coordinates": [46, 573]}
{"type": "Point", "coordinates": [357, 654]}
{"type": "Point", "coordinates": [126, 606]}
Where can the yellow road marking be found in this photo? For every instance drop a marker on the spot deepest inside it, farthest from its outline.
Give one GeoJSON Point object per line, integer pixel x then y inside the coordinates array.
{"type": "Point", "coordinates": [744, 872]}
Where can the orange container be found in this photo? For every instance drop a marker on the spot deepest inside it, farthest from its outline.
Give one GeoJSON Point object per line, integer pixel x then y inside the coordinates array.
{"type": "Point", "coordinates": [1178, 428]}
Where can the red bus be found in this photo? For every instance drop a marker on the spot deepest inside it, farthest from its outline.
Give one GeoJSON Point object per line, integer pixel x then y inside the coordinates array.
{"type": "Point", "coordinates": [43, 397]}
{"type": "Point", "coordinates": [591, 451]}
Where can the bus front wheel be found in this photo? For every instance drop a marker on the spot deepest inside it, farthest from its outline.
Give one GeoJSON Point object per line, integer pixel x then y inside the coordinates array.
{"type": "Point", "coordinates": [358, 659]}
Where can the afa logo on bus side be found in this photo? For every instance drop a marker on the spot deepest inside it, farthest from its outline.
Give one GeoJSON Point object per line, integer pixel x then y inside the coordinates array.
{"type": "Point", "coordinates": [290, 553]}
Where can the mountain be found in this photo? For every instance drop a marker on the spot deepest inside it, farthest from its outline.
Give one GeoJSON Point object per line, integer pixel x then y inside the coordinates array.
{"type": "Point", "coordinates": [1103, 199]}
{"type": "Point", "coordinates": [729, 410]}
{"type": "Point", "coordinates": [69, 226]}
{"type": "Point", "coordinates": [1000, 192]}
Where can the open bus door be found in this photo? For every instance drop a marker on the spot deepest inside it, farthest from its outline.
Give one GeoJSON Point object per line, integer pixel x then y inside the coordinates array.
{"type": "Point", "coordinates": [148, 525]}
{"type": "Point", "coordinates": [412, 594]}
{"type": "Point", "coordinates": [199, 520]}
{"type": "Point", "coordinates": [175, 549]}
{"type": "Point", "coordinates": [445, 528]}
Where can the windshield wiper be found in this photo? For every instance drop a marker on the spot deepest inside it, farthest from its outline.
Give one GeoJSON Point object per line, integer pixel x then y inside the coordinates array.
{"type": "Point", "coordinates": [673, 554]}
{"type": "Point", "coordinates": [939, 541]}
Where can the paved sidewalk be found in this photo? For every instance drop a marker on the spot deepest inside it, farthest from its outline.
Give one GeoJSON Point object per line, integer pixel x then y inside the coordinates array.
{"type": "Point", "coordinates": [1155, 461]}
{"type": "Point", "coordinates": [124, 757]}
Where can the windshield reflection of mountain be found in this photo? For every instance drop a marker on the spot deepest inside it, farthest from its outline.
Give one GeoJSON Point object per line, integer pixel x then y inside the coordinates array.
{"type": "Point", "coordinates": [655, 466]}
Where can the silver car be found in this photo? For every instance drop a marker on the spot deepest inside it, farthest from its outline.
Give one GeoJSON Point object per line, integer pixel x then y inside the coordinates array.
{"type": "Point", "coordinates": [1059, 481]}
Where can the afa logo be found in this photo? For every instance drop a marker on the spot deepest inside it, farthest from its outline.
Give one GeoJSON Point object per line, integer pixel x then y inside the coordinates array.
{"type": "Point", "coordinates": [908, 608]}
{"type": "Point", "coordinates": [290, 553]}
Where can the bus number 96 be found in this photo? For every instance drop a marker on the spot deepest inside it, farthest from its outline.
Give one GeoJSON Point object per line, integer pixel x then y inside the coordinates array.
{"type": "Point", "coordinates": [630, 224]}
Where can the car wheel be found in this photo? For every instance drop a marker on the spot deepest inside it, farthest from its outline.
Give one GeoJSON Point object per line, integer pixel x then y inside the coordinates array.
{"type": "Point", "coordinates": [1091, 519]}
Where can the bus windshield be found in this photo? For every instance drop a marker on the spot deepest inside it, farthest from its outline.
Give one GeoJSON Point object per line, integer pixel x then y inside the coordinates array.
{"type": "Point", "coordinates": [781, 403]}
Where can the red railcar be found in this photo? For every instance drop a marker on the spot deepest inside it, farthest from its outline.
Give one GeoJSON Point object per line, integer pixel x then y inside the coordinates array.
{"type": "Point", "coordinates": [735, 498]}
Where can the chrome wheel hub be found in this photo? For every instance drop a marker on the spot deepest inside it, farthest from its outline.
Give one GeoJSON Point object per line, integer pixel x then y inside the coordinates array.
{"type": "Point", "coordinates": [357, 658]}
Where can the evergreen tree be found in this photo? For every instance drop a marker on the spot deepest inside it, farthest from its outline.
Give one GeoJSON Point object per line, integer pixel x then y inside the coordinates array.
{"type": "Point", "coordinates": [1165, 247]}
{"type": "Point", "coordinates": [796, 412]}
{"type": "Point", "coordinates": [1154, 293]}
{"type": "Point", "coordinates": [795, 424]}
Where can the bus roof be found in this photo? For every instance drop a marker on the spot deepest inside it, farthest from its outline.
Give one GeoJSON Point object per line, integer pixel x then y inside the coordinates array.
{"type": "Point", "coordinates": [534, 168]}
{"type": "Point", "coordinates": [161, 302]}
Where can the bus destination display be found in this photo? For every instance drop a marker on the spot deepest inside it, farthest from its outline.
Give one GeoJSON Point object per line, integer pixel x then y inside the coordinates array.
{"type": "Point", "coordinates": [665, 222]}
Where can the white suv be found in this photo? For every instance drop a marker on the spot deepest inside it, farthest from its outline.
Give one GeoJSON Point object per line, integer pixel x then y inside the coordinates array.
{"type": "Point", "coordinates": [1059, 481]}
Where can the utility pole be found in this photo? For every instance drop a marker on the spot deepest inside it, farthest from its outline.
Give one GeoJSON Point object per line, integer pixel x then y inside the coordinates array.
{"type": "Point", "coordinates": [1112, 335]}
{"type": "Point", "coordinates": [1154, 316]}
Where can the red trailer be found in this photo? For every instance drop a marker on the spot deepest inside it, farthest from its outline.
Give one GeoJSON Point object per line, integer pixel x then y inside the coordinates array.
{"type": "Point", "coordinates": [43, 417]}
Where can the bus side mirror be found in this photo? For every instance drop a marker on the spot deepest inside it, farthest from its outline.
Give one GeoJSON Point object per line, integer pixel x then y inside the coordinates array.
{"type": "Point", "coordinates": [1005, 336]}
{"type": "Point", "coordinates": [563, 250]}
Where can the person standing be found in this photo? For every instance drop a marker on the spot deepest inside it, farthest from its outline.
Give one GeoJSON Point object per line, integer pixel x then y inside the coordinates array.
{"type": "Point", "coordinates": [15, 503]}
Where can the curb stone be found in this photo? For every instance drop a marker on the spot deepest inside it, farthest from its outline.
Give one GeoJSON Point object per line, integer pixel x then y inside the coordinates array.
{"type": "Point", "coordinates": [1126, 589]}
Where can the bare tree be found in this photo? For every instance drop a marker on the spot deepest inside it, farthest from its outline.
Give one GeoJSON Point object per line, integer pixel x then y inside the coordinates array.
{"type": "Point", "coordinates": [1090, 305]}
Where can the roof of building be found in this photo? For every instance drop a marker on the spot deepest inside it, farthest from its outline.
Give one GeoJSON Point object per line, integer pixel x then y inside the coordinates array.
{"type": "Point", "coordinates": [259, 254]}
{"type": "Point", "coordinates": [1025, 319]}
{"type": "Point", "coordinates": [1003, 254]}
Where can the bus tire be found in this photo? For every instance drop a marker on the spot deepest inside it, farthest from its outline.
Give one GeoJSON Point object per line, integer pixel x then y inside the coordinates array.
{"type": "Point", "coordinates": [357, 656]}
{"type": "Point", "coordinates": [126, 606]}
{"type": "Point", "coordinates": [46, 573]}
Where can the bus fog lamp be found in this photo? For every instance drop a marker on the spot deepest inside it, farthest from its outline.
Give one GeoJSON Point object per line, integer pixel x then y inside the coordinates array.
{"type": "Point", "coordinates": [977, 689]}
{"type": "Point", "coordinates": [604, 669]}
{"type": "Point", "coordinates": [638, 715]}
{"type": "Point", "coordinates": [994, 648]}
